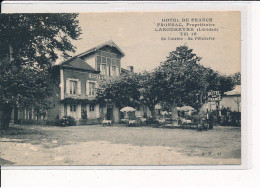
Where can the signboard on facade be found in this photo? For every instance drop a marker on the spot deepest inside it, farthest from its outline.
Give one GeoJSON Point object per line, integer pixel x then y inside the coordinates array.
{"type": "Point", "coordinates": [214, 96]}
{"type": "Point", "coordinates": [96, 76]}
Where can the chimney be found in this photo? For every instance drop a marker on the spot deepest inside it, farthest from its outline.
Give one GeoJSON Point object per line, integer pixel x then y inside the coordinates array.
{"type": "Point", "coordinates": [130, 68]}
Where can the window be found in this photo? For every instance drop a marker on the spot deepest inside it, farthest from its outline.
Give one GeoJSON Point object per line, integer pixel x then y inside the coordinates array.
{"type": "Point", "coordinates": [103, 69]}
{"type": "Point", "coordinates": [91, 89]}
{"type": "Point", "coordinates": [73, 108]}
{"type": "Point", "coordinates": [105, 62]}
{"type": "Point", "coordinates": [73, 87]}
{"type": "Point", "coordinates": [113, 62]}
{"type": "Point", "coordinates": [113, 70]}
{"type": "Point", "coordinates": [108, 61]}
{"type": "Point", "coordinates": [91, 108]}
{"type": "Point", "coordinates": [98, 63]}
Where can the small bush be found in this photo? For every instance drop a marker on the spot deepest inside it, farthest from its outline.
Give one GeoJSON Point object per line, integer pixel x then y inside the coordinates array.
{"type": "Point", "coordinates": [67, 121]}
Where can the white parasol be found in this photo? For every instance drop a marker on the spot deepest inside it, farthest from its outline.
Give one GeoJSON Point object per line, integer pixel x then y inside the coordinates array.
{"type": "Point", "coordinates": [127, 109]}
{"type": "Point", "coordinates": [187, 108]}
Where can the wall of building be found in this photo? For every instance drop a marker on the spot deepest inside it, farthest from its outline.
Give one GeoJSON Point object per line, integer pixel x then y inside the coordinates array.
{"type": "Point", "coordinates": [53, 113]}
{"type": "Point", "coordinates": [116, 115]}
{"type": "Point", "coordinates": [82, 77]}
{"type": "Point", "coordinates": [233, 102]}
{"type": "Point", "coordinates": [58, 110]}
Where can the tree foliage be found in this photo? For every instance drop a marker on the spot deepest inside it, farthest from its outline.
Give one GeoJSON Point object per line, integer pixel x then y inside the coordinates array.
{"type": "Point", "coordinates": [24, 87]}
{"type": "Point", "coordinates": [34, 39]}
{"type": "Point", "coordinates": [187, 82]}
{"type": "Point", "coordinates": [131, 89]}
{"type": "Point", "coordinates": [183, 54]}
{"type": "Point", "coordinates": [122, 90]}
{"type": "Point", "coordinates": [218, 82]}
{"type": "Point", "coordinates": [237, 78]}
{"type": "Point", "coordinates": [179, 80]}
{"type": "Point", "coordinates": [29, 44]}
{"type": "Point", "coordinates": [151, 90]}
{"type": "Point", "coordinates": [184, 79]}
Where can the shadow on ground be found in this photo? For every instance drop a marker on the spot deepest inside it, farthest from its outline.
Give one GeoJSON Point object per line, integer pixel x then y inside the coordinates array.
{"type": "Point", "coordinates": [5, 162]}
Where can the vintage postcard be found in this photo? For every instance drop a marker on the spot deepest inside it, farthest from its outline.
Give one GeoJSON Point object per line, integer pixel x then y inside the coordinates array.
{"type": "Point", "coordinates": [121, 89]}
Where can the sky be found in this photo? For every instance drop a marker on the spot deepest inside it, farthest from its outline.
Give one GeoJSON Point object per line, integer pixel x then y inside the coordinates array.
{"type": "Point", "coordinates": [135, 34]}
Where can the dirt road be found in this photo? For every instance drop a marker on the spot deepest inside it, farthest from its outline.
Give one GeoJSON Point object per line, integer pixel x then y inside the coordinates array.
{"type": "Point", "coordinates": [118, 145]}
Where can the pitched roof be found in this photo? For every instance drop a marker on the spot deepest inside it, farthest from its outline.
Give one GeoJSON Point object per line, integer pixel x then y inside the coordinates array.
{"type": "Point", "coordinates": [78, 63]}
{"type": "Point", "coordinates": [108, 43]}
{"type": "Point", "coordinates": [123, 70]}
{"type": "Point", "coordinates": [235, 91]}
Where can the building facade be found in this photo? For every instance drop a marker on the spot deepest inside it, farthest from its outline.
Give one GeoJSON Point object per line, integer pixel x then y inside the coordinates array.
{"type": "Point", "coordinates": [232, 99]}
{"type": "Point", "coordinates": [78, 80]}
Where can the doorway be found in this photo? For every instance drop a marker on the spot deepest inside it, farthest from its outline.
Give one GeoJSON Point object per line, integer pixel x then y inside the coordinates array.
{"type": "Point", "coordinates": [110, 112]}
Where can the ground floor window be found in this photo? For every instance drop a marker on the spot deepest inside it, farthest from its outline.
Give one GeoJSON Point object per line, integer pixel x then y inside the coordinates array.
{"type": "Point", "coordinates": [73, 108]}
{"type": "Point", "coordinates": [91, 107]}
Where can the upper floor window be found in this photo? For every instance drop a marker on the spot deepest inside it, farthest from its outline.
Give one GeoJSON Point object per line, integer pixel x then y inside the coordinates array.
{"type": "Point", "coordinates": [106, 61]}
{"type": "Point", "coordinates": [113, 70]}
{"type": "Point", "coordinates": [91, 108]}
{"type": "Point", "coordinates": [103, 69]}
{"type": "Point", "coordinates": [73, 86]}
{"type": "Point", "coordinates": [91, 88]}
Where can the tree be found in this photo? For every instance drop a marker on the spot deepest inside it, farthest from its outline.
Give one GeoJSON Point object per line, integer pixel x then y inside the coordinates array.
{"type": "Point", "coordinates": [237, 78]}
{"type": "Point", "coordinates": [132, 89]}
{"type": "Point", "coordinates": [184, 79]}
{"type": "Point", "coordinates": [122, 90]}
{"type": "Point", "coordinates": [218, 82]}
{"type": "Point", "coordinates": [29, 44]}
{"type": "Point", "coordinates": [183, 54]}
{"type": "Point", "coordinates": [150, 87]}
{"type": "Point", "coordinates": [180, 80]}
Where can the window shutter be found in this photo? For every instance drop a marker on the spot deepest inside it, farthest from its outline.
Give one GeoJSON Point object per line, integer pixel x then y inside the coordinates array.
{"type": "Point", "coordinates": [87, 87]}
{"type": "Point", "coordinates": [79, 87]}
{"type": "Point", "coordinates": [67, 86]}
{"type": "Point", "coordinates": [96, 88]}
{"type": "Point", "coordinates": [96, 84]}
